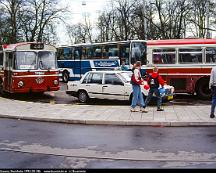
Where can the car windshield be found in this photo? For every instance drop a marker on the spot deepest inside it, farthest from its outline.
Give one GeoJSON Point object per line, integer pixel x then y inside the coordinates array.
{"type": "Point", "coordinates": [25, 60]}
{"type": "Point", "coordinates": [126, 76]}
{"type": "Point", "coordinates": [47, 60]}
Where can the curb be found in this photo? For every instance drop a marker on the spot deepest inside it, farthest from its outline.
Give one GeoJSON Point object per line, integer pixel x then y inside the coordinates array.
{"type": "Point", "coordinates": [116, 123]}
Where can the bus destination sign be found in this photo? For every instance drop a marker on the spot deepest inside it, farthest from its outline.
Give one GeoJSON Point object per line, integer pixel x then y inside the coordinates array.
{"type": "Point", "coordinates": [37, 46]}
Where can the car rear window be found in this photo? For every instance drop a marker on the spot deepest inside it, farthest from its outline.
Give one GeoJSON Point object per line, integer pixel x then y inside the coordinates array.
{"type": "Point", "coordinates": [112, 79]}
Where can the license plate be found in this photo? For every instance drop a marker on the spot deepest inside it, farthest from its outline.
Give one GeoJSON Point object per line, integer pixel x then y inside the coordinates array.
{"type": "Point", "coordinates": [169, 97]}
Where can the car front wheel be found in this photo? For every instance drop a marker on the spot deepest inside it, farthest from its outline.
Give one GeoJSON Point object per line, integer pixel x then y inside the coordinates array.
{"type": "Point", "coordinates": [83, 97]}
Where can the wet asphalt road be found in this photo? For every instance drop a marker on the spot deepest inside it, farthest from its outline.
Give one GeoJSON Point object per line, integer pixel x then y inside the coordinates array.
{"type": "Point", "coordinates": [27, 144]}
{"type": "Point", "coordinates": [60, 97]}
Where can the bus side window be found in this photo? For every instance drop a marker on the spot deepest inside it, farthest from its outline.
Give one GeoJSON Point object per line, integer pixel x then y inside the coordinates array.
{"type": "Point", "coordinates": [60, 54]}
{"type": "Point", "coordinates": [68, 53]}
{"type": "Point", "coordinates": [97, 52]}
{"type": "Point", "coordinates": [78, 53]}
{"type": "Point", "coordinates": [113, 51]}
{"type": "Point", "coordinates": [84, 53]}
{"type": "Point", "coordinates": [164, 56]}
{"type": "Point", "coordinates": [190, 55]}
{"type": "Point", "coordinates": [157, 59]}
{"type": "Point", "coordinates": [106, 52]}
{"type": "Point", "coordinates": [210, 55]}
{"type": "Point", "coordinates": [89, 52]}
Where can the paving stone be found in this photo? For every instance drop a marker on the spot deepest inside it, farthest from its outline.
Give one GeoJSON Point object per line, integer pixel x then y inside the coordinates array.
{"type": "Point", "coordinates": [110, 115]}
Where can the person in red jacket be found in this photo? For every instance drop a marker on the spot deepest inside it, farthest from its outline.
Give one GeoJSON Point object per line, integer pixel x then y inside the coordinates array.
{"type": "Point", "coordinates": [155, 80]}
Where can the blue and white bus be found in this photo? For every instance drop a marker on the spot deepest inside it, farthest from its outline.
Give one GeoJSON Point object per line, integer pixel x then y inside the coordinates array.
{"type": "Point", "coordinates": [77, 59]}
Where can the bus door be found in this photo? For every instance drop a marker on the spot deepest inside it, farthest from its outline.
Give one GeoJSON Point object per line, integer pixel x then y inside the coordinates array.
{"type": "Point", "coordinates": [124, 53]}
{"type": "Point", "coordinates": [87, 62]}
{"type": "Point", "coordinates": [77, 65]}
{"type": "Point", "coordinates": [8, 71]}
{"type": "Point", "coordinates": [138, 53]}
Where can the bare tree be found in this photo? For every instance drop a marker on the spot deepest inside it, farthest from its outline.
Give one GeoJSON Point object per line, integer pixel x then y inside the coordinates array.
{"type": "Point", "coordinates": [199, 14]}
{"type": "Point", "coordinates": [77, 33]}
{"type": "Point", "coordinates": [11, 9]}
{"type": "Point", "coordinates": [37, 17]}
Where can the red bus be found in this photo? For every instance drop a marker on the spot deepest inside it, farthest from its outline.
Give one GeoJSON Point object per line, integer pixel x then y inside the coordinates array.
{"type": "Point", "coordinates": [28, 67]}
{"type": "Point", "coordinates": [184, 63]}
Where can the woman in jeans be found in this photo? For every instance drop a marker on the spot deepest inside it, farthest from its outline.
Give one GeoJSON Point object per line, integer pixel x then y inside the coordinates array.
{"type": "Point", "coordinates": [136, 81]}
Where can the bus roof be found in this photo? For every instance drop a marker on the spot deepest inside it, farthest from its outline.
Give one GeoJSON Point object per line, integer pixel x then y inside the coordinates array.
{"type": "Point", "coordinates": [180, 41]}
{"type": "Point", "coordinates": [26, 46]}
{"type": "Point", "coordinates": [102, 43]}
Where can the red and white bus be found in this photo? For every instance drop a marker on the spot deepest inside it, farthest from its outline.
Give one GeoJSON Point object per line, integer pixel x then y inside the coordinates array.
{"type": "Point", "coordinates": [184, 63]}
{"type": "Point", "coordinates": [28, 67]}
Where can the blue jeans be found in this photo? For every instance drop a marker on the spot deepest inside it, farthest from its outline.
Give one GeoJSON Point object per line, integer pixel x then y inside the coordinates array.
{"type": "Point", "coordinates": [213, 100]}
{"type": "Point", "coordinates": [137, 97]}
{"type": "Point", "coordinates": [213, 105]}
{"type": "Point", "coordinates": [150, 94]}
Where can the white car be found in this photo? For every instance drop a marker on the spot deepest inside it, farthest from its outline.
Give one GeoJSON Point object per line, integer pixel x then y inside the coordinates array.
{"type": "Point", "coordinates": [113, 85]}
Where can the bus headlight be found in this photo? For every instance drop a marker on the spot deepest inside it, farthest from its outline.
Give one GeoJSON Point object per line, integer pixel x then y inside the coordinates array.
{"type": "Point", "coordinates": [20, 84]}
{"type": "Point", "coordinates": [55, 82]}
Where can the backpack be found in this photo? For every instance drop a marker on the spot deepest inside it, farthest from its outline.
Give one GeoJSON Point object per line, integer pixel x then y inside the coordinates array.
{"type": "Point", "coordinates": [153, 82]}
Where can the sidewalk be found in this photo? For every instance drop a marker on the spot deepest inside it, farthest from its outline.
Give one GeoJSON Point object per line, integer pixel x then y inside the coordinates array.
{"type": "Point", "coordinates": [106, 115]}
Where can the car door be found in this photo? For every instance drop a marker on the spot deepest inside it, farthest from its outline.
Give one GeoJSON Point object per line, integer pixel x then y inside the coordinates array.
{"type": "Point", "coordinates": [94, 85]}
{"type": "Point", "coordinates": [113, 87]}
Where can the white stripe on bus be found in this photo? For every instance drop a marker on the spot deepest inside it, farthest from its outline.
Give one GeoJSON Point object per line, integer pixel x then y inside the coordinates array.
{"type": "Point", "coordinates": [174, 67]}
{"type": "Point", "coordinates": [185, 74]}
{"type": "Point", "coordinates": [35, 76]}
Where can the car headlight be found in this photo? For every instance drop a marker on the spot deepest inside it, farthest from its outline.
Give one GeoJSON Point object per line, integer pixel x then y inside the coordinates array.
{"type": "Point", "coordinates": [20, 84]}
{"type": "Point", "coordinates": [55, 82]}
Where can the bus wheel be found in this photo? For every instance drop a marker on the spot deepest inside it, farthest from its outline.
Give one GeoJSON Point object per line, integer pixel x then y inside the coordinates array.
{"type": "Point", "coordinates": [203, 90]}
{"type": "Point", "coordinates": [83, 97]}
{"type": "Point", "coordinates": [65, 76]}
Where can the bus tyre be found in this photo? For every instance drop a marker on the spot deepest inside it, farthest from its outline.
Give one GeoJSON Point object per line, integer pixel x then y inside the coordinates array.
{"type": "Point", "coordinates": [203, 90]}
{"type": "Point", "coordinates": [65, 76]}
{"type": "Point", "coordinates": [83, 97]}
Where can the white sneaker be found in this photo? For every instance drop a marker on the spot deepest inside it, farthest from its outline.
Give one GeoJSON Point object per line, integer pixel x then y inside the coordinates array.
{"type": "Point", "coordinates": [143, 110]}
{"type": "Point", "coordinates": [134, 110]}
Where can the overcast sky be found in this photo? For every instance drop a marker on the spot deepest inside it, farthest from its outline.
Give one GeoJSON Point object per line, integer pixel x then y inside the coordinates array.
{"type": "Point", "coordinates": [76, 7]}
